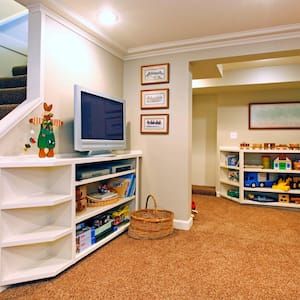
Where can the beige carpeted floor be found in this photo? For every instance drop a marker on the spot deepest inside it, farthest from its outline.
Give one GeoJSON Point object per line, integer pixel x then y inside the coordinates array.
{"type": "Point", "coordinates": [231, 252]}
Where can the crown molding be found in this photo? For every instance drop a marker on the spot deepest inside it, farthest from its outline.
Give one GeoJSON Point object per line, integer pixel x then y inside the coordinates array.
{"type": "Point", "coordinates": [216, 41]}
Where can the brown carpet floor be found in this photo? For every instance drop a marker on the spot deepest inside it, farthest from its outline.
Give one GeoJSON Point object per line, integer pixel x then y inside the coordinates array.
{"type": "Point", "coordinates": [231, 252]}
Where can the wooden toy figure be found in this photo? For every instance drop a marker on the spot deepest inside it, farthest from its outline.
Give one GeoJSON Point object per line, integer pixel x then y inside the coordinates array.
{"type": "Point", "coordinates": [46, 138]}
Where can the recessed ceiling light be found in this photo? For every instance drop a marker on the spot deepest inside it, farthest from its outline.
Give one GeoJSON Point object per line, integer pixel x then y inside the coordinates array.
{"type": "Point", "coordinates": [107, 17]}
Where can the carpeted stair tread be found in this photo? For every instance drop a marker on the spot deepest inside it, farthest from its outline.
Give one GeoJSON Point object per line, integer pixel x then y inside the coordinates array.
{"type": "Point", "coordinates": [12, 95]}
{"type": "Point", "coordinates": [19, 70]}
{"type": "Point", "coordinates": [6, 108]}
{"type": "Point", "coordinates": [14, 81]}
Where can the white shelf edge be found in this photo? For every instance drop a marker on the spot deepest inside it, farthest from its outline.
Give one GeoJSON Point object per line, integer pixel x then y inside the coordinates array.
{"type": "Point", "coordinates": [38, 201]}
{"type": "Point", "coordinates": [48, 267]}
{"type": "Point", "coordinates": [224, 166]}
{"type": "Point", "coordinates": [93, 211]}
{"type": "Point", "coordinates": [275, 204]}
{"type": "Point", "coordinates": [230, 198]}
{"type": "Point", "coordinates": [271, 171]}
{"type": "Point", "coordinates": [233, 183]}
{"type": "Point", "coordinates": [103, 177]}
{"type": "Point", "coordinates": [102, 242]}
{"type": "Point", "coordinates": [270, 190]}
{"type": "Point", "coordinates": [42, 235]}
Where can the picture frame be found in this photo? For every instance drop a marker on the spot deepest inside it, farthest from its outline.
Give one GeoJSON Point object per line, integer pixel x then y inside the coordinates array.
{"type": "Point", "coordinates": [153, 74]}
{"type": "Point", "coordinates": [274, 115]}
{"type": "Point", "coordinates": [154, 99]}
{"type": "Point", "coordinates": [154, 123]}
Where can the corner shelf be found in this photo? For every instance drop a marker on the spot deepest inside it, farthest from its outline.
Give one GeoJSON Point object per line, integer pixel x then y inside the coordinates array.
{"type": "Point", "coordinates": [37, 213]}
{"type": "Point", "coordinates": [245, 158]}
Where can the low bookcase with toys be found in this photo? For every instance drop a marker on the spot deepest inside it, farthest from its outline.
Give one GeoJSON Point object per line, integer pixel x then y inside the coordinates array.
{"type": "Point", "coordinates": [261, 174]}
{"type": "Point", "coordinates": [62, 209]}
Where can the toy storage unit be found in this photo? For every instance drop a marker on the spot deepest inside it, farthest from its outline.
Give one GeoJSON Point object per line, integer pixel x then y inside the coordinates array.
{"type": "Point", "coordinates": [38, 212]}
{"type": "Point", "coordinates": [249, 177]}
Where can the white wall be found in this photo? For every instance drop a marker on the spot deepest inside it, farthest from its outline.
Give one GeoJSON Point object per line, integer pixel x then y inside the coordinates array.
{"type": "Point", "coordinates": [204, 140]}
{"type": "Point", "coordinates": [66, 56]}
{"type": "Point", "coordinates": [166, 171]}
{"type": "Point", "coordinates": [72, 58]}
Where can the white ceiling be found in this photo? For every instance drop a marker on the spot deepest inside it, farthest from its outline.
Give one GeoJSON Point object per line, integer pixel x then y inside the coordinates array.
{"type": "Point", "coordinates": [156, 24]}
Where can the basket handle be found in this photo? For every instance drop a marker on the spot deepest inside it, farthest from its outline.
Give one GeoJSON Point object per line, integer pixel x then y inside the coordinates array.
{"type": "Point", "coordinates": [154, 201]}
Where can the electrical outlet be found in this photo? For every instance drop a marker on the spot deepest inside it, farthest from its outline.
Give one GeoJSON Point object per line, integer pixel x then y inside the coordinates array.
{"type": "Point", "coordinates": [233, 135]}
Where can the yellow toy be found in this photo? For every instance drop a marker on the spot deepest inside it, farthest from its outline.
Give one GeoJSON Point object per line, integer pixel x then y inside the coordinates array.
{"type": "Point", "coordinates": [283, 185]}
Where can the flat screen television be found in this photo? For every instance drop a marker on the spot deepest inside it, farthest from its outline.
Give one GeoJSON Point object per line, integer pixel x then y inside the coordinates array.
{"type": "Point", "coordinates": [99, 122]}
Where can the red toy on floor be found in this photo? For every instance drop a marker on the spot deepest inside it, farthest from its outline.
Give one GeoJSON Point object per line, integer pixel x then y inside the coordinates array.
{"type": "Point", "coordinates": [194, 210]}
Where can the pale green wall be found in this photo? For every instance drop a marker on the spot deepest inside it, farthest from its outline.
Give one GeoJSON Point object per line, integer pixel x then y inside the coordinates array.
{"type": "Point", "coordinates": [166, 171]}
{"type": "Point", "coordinates": [231, 112]}
{"type": "Point", "coordinates": [204, 140]}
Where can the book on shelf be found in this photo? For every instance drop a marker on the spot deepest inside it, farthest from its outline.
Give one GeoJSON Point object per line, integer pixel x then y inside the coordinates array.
{"type": "Point", "coordinates": [123, 185]}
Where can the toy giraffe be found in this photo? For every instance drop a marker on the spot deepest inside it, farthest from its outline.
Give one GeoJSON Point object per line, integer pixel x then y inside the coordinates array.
{"type": "Point", "coordinates": [46, 138]}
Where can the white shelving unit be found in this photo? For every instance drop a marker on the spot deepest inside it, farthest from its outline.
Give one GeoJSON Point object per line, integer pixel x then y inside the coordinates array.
{"type": "Point", "coordinates": [250, 161]}
{"type": "Point", "coordinates": [38, 213]}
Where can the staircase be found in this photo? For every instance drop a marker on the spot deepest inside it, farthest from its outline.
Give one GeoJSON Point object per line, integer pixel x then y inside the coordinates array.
{"type": "Point", "coordinates": [12, 90]}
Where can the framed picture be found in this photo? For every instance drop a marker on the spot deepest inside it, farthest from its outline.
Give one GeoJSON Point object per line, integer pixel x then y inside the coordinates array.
{"type": "Point", "coordinates": [155, 124]}
{"type": "Point", "coordinates": [152, 74]}
{"type": "Point", "coordinates": [158, 98]}
{"type": "Point", "coordinates": [278, 115]}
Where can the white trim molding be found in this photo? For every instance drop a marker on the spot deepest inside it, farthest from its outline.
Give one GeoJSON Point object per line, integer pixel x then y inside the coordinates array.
{"type": "Point", "coordinates": [183, 224]}
{"type": "Point", "coordinates": [217, 41]}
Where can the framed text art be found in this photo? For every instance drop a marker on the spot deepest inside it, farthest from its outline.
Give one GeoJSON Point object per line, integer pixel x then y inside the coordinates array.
{"type": "Point", "coordinates": [278, 115]}
{"type": "Point", "coordinates": [153, 74]}
{"type": "Point", "coordinates": [155, 123]}
{"type": "Point", "coordinates": [154, 99]}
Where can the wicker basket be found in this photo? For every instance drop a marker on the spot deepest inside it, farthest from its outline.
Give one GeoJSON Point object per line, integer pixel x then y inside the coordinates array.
{"type": "Point", "coordinates": [150, 223]}
{"type": "Point", "coordinates": [93, 202]}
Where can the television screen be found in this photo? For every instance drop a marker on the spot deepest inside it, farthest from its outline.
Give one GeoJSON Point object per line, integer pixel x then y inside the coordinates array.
{"type": "Point", "coordinates": [99, 121]}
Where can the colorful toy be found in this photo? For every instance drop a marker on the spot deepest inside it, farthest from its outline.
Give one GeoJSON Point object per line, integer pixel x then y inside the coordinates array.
{"type": "Point", "coordinates": [282, 162]}
{"type": "Point", "coordinates": [46, 138]}
{"type": "Point", "coordinates": [284, 198]}
{"type": "Point", "coordinates": [283, 184]}
{"type": "Point", "coordinates": [261, 198]}
{"type": "Point", "coordinates": [233, 193]}
{"type": "Point", "coordinates": [254, 179]}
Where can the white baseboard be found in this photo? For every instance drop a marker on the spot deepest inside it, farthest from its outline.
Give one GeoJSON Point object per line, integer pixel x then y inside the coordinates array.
{"type": "Point", "coordinates": [183, 224]}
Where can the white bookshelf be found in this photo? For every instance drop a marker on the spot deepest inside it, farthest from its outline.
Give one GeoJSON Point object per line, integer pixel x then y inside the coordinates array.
{"type": "Point", "coordinates": [38, 213]}
{"type": "Point", "coordinates": [247, 158]}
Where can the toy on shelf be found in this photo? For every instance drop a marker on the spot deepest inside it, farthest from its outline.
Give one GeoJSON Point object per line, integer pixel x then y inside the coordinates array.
{"type": "Point", "coordinates": [254, 179]}
{"type": "Point", "coordinates": [244, 146]}
{"type": "Point", "coordinates": [295, 183]}
{"type": "Point", "coordinates": [232, 160]}
{"type": "Point", "coordinates": [46, 138]}
{"type": "Point", "coordinates": [261, 198]}
{"type": "Point", "coordinates": [294, 146]}
{"type": "Point", "coordinates": [295, 199]}
{"type": "Point", "coordinates": [296, 164]}
{"type": "Point", "coordinates": [282, 147]}
{"type": "Point", "coordinates": [282, 162]}
{"type": "Point", "coordinates": [284, 198]}
{"type": "Point", "coordinates": [233, 176]}
{"type": "Point", "coordinates": [233, 193]}
{"type": "Point", "coordinates": [283, 184]}
{"type": "Point", "coordinates": [81, 198]}
{"type": "Point", "coordinates": [257, 146]}
{"type": "Point", "coordinates": [269, 146]}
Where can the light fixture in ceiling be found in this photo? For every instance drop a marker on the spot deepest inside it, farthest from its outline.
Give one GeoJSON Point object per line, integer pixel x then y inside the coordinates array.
{"type": "Point", "coordinates": [108, 17]}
